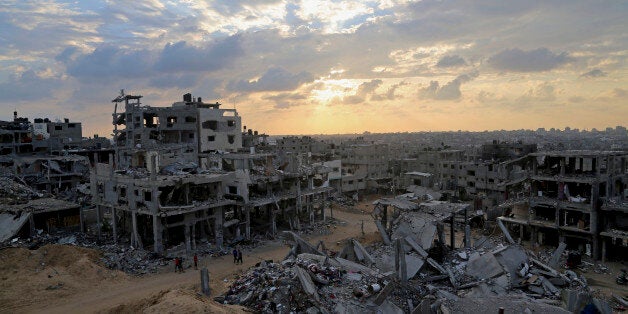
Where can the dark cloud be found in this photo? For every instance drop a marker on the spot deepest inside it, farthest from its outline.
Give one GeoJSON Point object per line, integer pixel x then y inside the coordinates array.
{"type": "Point", "coordinates": [364, 90]}
{"type": "Point", "coordinates": [181, 57]}
{"type": "Point", "coordinates": [274, 79]}
{"type": "Point", "coordinates": [286, 100]}
{"type": "Point", "coordinates": [231, 7]}
{"type": "Point", "coordinates": [451, 61]}
{"type": "Point", "coordinates": [620, 93]}
{"type": "Point", "coordinates": [538, 60]}
{"type": "Point", "coordinates": [186, 80]}
{"type": "Point", "coordinates": [390, 93]}
{"type": "Point", "coordinates": [576, 99]}
{"type": "Point", "coordinates": [594, 73]}
{"type": "Point", "coordinates": [541, 93]}
{"type": "Point", "coordinates": [449, 91]}
{"type": "Point", "coordinates": [108, 61]}
{"type": "Point", "coordinates": [28, 86]}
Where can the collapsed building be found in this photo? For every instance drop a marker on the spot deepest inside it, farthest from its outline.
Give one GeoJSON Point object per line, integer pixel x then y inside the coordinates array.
{"type": "Point", "coordinates": [414, 271]}
{"type": "Point", "coordinates": [573, 197]}
{"type": "Point", "coordinates": [180, 175]}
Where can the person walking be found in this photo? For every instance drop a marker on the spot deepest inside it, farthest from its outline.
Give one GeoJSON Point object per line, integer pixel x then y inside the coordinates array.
{"type": "Point", "coordinates": [195, 261]}
{"type": "Point", "coordinates": [176, 264]}
{"type": "Point", "coordinates": [235, 256]}
{"type": "Point", "coordinates": [239, 256]}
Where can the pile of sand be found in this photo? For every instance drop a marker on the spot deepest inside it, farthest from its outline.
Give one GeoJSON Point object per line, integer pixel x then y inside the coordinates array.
{"type": "Point", "coordinates": [49, 273]}
{"type": "Point", "coordinates": [184, 300]}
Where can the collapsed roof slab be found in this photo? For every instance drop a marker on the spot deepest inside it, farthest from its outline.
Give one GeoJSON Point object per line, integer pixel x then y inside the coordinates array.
{"type": "Point", "coordinates": [11, 224]}
{"type": "Point", "coordinates": [484, 267]}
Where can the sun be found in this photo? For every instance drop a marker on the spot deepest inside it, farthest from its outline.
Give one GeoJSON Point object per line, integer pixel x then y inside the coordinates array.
{"type": "Point", "coordinates": [332, 89]}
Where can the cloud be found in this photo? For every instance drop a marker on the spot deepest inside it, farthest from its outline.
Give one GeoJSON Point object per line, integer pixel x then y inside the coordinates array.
{"type": "Point", "coordinates": [107, 61]}
{"type": "Point", "coordinates": [485, 97]}
{"type": "Point", "coordinates": [620, 93]}
{"type": "Point", "coordinates": [364, 90]}
{"type": "Point", "coordinates": [390, 93]}
{"type": "Point", "coordinates": [286, 100]}
{"type": "Point", "coordinates": [594, 73]}
{"type": "Point", "coordinates": [28, 86]}
{"type": "Point", "coordinates": [449, 91]}
{"type": "Point", "coordinates": [274, 79]}
{"type": "Point", "coordinates": [543, 92]}
{"type": "Point", "coordinates": [538, 60]}
{"type": "Point", "coordinates": [451, 61]}
{"type": "Point", "coordinates": [576, 99]}
{"type": "Point", "coordinates": [182, 81]}
{"type": "Point", "coordinates": [181, 57]}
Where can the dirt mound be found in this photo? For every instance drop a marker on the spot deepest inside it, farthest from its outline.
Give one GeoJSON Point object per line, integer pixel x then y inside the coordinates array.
{"type": "Point", "coordinates": [175, 301]}
{"type": "Point", "coordinates": [48, 273]}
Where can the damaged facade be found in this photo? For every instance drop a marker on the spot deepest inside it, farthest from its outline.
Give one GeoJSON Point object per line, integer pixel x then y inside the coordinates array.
{"type": "Point", "coordinates": [181, 175]}
{"type": "Point", "coordinates": [575, 197]}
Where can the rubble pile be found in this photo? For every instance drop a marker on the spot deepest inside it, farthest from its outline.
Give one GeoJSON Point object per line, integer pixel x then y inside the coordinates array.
{"type": "Point", "coordinates": [12, 192]}
{"type": "Point", "coordinates": [127, 259]}
{"type": "Point", "coordinates": [414, 271]}
{"type": "Point", "coordinates": [132, 261]}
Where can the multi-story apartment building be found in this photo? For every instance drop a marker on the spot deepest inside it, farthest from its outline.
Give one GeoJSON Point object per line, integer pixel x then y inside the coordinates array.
{"type": "Point", "coordinates": [576, 197]}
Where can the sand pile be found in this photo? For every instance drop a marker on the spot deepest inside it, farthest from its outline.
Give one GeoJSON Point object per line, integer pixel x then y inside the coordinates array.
{"type": "Point", "coordinates": [48, 273]}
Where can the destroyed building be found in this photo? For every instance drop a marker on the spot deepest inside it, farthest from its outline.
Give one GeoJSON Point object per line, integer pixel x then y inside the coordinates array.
{"type": "Point", "coordinates": [185, 132]}
{"type": "Point", "coordinates": [177, 178]}
{"type": "Point", "coordinates": [364, 166]}
{"type": "Point", "coordinates": [575, 197]}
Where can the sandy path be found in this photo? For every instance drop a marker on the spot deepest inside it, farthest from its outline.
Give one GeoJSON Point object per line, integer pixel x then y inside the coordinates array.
{"type": "Point", "coordinates": [107, 297]}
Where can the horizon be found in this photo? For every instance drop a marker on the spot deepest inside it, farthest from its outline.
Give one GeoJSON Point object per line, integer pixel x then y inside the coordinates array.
{"type": "Point", "coordinates": [342, 67]}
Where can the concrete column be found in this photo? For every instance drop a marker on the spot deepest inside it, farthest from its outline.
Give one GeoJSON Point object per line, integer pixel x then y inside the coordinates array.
{"type": "Point", "coordinates": [441, 233]}
{"type": "Point", "coordinates": [603, 250]}
{"type": "Point", "coordinates": [218, 221]}
{"type": "Point", "coordinates": [562, 166]}
{"type": "Point", "coordinates": [188, 243]}
{"type": "Point", "coordinates": [158, 247]}
{"type": "Point", "coordinates": [452, 235]}
{"type": "Point", "coordinates": [248, 222]}
{"type": "Point", "coordinates": [134, 235]}
{"type": "Point", "coordinates": [273, 222]}
{"type": "Point", "coordinates": [98, 225]}
{"type": "Point", "coordinates": [595, 189]}
{"type": "Point", "coordinates": [81, 218]}
{"type": "Point", "coordinates": [114, 225]}
{"type": "Point", "coordinates": [194, 236]}
{"type": "Point", "coordinates": [205, 281]}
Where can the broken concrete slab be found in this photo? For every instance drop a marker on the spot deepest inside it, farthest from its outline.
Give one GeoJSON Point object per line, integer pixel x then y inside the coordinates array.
{"type": "Point", "coordinates": [366, 257]}
{"type": "Point", "coordinates": [413, 265]}
{"type": "Point", "coordinates": [484, 267]}
{"type": "Point", "coordinates": [423, 307]}
{"type": "Point", "coordinates": [382, 295]}
{"type": "Point", "coordinates": [556, 255]}
{"type": "Point", "coordinates": [511, 259]}
{"type": "Point", "coordinates": [307, 283]}
{"type": "Point", "coordinates": [389, 307]}
{"type": "Point", "coordinates": [11, 224]}
{"type": "Point", "coordinates": [505, 231]}
{"type": "Point", "coordinates": [416, 246]}
{"type": "Point", "coordinates": [383, 232]}
{"type": "Point", "coordinates": [302, 245]}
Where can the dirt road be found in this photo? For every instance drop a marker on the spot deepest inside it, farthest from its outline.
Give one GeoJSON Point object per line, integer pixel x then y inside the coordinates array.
{"type": "Point", "coordinates": [109, 296]}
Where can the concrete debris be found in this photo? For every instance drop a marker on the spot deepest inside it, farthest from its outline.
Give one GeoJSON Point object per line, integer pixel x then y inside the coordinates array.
{"type": "Point", "coordinates": [556, 255]}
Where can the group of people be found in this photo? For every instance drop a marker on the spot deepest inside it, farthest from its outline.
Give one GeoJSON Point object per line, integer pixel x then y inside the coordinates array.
{"type": "Point", "coordinates": [178, 263]}
{"type": "Point", "coordinates": [237, 256]}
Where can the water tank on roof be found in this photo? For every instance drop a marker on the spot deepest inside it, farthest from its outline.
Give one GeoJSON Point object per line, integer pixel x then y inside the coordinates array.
{"type": "Point", "coordinates": [187, 97]}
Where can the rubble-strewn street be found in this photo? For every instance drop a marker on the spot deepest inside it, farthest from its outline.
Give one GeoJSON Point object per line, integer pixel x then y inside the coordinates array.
{"type": "Point", "coordinates": [404, 278]}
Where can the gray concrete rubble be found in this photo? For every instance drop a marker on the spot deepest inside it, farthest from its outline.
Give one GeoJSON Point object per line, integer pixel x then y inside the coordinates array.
{"type": "Point", "coordinates": [381, 278]}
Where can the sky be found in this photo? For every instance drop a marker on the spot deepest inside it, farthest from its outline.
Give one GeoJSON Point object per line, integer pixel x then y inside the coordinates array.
{"type": "Point", "coordinates": [323, 67]}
